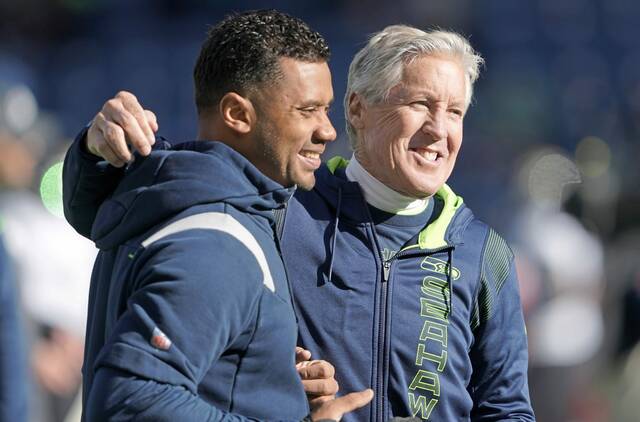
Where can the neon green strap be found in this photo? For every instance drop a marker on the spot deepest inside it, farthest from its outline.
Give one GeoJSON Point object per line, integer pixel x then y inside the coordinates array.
{"type": "Point", "coordinates": [432, 237]}
{"type": "Point", "coordinates": [337, 162]}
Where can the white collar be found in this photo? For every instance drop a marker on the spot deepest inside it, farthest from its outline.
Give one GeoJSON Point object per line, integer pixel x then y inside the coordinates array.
{"type": "Point", "coordinates": [380, 195]}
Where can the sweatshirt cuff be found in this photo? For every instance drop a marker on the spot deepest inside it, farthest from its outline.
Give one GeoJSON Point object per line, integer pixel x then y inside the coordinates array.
{"type": "Point", "coordinates": [80, 145]}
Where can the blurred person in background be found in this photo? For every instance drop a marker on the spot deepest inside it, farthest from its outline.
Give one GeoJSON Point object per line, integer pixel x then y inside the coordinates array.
{"type": "Point", "coordinates": [561, 268]}
{"type": "Point", "coordinates": [51, 263]}
{"type": "Point", "coordinates": [382, 253]}
{"type": "Point", "coordinates": [624, 390]}
{"type": "Point", "coordinates": [622, 309]}
{"type": "Point", "coordinates": [13, 365]}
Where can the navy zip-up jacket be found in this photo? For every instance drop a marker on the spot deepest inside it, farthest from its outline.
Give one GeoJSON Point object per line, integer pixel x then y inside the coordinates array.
{"type": "Point", "coordinates": [437, 331]}
{"type": "Point", "coordinates": [190, 316]}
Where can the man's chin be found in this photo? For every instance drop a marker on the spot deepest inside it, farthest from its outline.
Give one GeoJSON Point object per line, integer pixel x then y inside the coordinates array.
{"type": "Point", "coordinates": [422, 185]}
{"type": "Point", "coordinates": [421, 191]}
{"type": "Point", "coordinates": [306, 183]}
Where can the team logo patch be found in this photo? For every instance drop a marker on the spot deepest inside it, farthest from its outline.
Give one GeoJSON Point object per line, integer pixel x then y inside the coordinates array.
{"type": "Point", "coordinates": [159, 340]}
{"type": "Point", "coordinates": [439, 266]}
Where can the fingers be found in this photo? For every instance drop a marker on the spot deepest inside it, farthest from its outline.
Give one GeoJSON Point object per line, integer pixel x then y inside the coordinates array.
{"type": "Point", "coordinates": [353, 401]}
{"type": "Point", "coordinates": [125, 111]}
{"type": "Point", "coordinates": [107, 140]}
{"type": "Point", "coordinates": [316, 402]}
{"type": "Point", "coordinates": [131, 104]}
{"type": "Point", "coordinates": [325, 387]}
{"type": "Point", "coordinates": [122, 122]}
{"type": "Point", "coordinates": [153, 122]}
{"type": "Point", "coordinates": [335, 409]}
{"type": "Point", "coordinates": [108, 154]}
{"type": "Point", "coordinates": [114, 137]}
{"type": "Point", "coordinates": [316, 369]}
{"type": "Point", "coordinates": [302, 355]}
{"type": "Point", "coordinates": [318, 378]}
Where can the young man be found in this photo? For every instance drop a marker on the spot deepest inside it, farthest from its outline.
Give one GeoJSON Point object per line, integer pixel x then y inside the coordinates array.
{"type": "Point", "coordinates": [190, 315]}
{"type": "Point", "coordinates": [424, 294]}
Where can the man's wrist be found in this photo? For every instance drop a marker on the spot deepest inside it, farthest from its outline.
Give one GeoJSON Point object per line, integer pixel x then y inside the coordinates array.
{"type": "Point", "coordinates": [81, 141]}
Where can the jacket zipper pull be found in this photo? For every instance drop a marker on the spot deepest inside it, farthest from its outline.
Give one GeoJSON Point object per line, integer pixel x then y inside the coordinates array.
{"type": "Point", "coordinates": [386, 269]}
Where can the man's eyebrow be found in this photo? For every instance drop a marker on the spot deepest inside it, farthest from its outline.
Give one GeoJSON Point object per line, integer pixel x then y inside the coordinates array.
{"type": "Point", "coordinates": [316, 103]}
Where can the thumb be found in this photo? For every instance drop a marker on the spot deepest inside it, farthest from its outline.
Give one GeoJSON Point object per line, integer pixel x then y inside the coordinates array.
{"type": "Point", "coordinates": [334, 409]}
{"type": "Point", "coordinates": [353, 401]}
{"type": "Point", "coordinates": [302, 355]}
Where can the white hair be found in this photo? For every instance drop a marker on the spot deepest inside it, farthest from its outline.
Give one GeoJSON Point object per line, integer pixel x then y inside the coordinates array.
{"type": "Point", "coordinates": [378, 67]}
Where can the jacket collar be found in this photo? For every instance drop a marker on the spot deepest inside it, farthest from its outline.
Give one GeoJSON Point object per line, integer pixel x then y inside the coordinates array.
{"type": "Point", "coordinates": [445, 230]}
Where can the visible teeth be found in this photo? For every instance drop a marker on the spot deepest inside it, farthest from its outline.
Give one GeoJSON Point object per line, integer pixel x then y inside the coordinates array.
{"type": "Point", "coordinates": [309, 154]}
{"type": "Point", "coordinates": [427, 155]}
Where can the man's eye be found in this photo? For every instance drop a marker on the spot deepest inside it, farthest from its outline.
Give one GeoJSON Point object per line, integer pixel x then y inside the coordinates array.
{"type": "Point", "coordinates": [308, 109]}
{"type": "Point", "coordinates": [456, 111]}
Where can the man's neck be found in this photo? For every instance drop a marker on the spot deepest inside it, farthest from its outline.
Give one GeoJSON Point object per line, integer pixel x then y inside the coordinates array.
{"type": "Point", "coordinates": [381, 196]}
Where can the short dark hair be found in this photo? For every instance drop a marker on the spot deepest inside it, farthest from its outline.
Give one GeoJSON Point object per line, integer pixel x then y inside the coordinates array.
{"type": "Point", "coordinates": [242, 51]}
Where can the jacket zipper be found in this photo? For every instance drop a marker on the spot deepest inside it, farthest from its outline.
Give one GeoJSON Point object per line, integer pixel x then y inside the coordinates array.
{"type": "Point", "coordinates": [382, 363]}
{"type": "Point", "coordinates": [277, 234]}
{"type": "Point", "coordinates": [381, 353]}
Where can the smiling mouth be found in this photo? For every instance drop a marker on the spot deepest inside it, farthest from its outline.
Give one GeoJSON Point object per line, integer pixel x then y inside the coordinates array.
{"type": "Point", "coordinates": [310, 154]}
{"type": "Point", "coordinates": [431, 156]}
{"type": "Point", "coordinates": [310, 159]}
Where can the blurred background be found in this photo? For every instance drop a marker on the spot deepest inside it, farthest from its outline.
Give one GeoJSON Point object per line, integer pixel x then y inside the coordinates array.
{"type": "Point", "coordinates": [549, 159]}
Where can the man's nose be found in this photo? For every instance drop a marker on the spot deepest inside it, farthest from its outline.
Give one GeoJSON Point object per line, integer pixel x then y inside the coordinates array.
{"type": "Point", "coordinates": [325, 130]}
{"type": "Point", "coordinates": [435, 125]}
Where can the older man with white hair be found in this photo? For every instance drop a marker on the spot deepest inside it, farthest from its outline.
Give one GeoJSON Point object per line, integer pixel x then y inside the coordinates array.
{"type": "Point", "coordinates": [385, 257]}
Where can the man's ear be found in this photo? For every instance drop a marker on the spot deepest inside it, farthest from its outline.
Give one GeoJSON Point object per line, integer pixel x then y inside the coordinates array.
{"type": "Point", "coordinates": [237, 112]}
{"type": "Point", "coordinates": [357, 109]}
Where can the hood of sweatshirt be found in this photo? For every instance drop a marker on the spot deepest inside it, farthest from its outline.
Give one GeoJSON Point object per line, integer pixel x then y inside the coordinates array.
{"type": "Point", "coordinates": [157, 187]}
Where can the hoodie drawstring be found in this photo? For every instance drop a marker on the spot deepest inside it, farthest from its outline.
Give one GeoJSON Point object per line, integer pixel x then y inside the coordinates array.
{"type": "Point", "coordinates": [334, 235]}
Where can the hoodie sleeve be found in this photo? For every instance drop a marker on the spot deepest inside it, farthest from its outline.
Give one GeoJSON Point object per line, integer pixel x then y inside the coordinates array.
{"type": "Point", "coordinates": [86, 182]}
{"type": "Point", "coordinates": [499, 356]}
{"type": "Point", "coordinates": [192, 295]}
{"type": "Point", "coordinates": [119, 395]}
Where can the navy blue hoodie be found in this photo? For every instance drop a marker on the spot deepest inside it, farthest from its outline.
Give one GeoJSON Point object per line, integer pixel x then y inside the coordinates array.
{"type": "Point", "coordinates": [190, 316]}
{"type": "Point", "coordinates": [436, 331]}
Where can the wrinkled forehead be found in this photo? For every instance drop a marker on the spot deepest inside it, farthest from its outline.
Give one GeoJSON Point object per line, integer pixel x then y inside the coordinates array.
{"type": "Point", "coordinates": [441, 75]}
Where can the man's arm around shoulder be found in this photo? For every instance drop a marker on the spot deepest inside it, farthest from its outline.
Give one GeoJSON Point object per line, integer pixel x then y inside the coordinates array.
{"type": "Point", "coordinates": [95, 162]}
